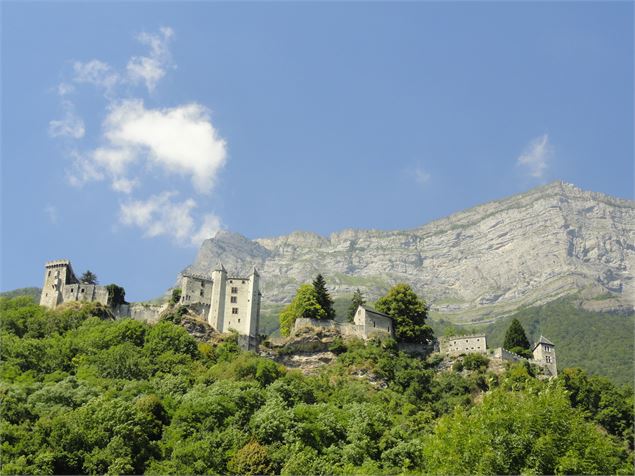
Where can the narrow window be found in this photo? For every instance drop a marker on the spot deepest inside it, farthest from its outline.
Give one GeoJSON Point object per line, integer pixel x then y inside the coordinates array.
{"type": "Point", "coordinates": [243, 281]}
{"type": "Point", "coordinates": [238, 321]}
{"type": "Point", "coordinates": [234, 290]}
{"type": "Point", "coordinates": [201, 292]}
{"type": "Point", "coordinates": [49, 273]}
{"type": "Point", "coordinates": [233, 299]}
{"type": "Point", "coordinates": [234, 310]}
{"type": "Point", "coordinates": [82, 290]}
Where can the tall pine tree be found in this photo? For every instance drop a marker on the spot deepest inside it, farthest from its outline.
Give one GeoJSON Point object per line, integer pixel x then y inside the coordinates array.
{"type": "Point", "coordinates": [358, 300]}
{"type": "Point", "coordinates": [516, 339]}
{"type": "Point", "coordinates": [323, 296]}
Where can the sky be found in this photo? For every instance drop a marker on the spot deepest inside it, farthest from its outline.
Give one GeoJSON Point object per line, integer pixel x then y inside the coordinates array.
{"type": "Point", "coordinates": [133, 131]}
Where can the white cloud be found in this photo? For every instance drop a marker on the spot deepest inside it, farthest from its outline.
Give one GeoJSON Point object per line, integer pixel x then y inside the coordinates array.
{"type": "Point", "coordinates": [83, 170]}
{"type": "Point", "coordinates": [71, 125]}
{"type": "Point", "coordinates": [64, 89]}
{"type": "Point", "coordinates": [421, 176]}
{"type": "Point", "coordinates": [97, 73]}
{"type": "Point", "coordinates": [150, 69]}
{"type": "Point", "coordinates": [161, 215]}
{"type": "Point", "coordinates": [181, 140]}
{"type": "Point", "coordinates": [51, 213]}
{"type": "Point", "coordinates": [536, 156]}
{"type": "Point", "coordinates": [124, 185]}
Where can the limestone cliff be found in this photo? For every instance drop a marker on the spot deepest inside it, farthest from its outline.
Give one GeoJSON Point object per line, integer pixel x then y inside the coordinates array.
{"type": "Point", "coordinates": [483, 262]}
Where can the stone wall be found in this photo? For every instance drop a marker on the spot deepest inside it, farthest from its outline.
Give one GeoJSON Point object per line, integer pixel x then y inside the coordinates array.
{"type": "Point", "coordinates": [463, 344]}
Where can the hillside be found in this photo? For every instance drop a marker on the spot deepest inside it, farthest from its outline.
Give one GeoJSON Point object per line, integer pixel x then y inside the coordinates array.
{"type": "Point", "coordinates": [83, 393]}
{"type": "Point", "coordinates": [473, 266]}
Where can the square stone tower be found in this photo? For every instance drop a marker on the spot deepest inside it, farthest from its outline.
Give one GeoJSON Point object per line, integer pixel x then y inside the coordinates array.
{"type": "Point", "coordinates": [545, 354]}
{"type": "Point", "coordinates": [57, 274]}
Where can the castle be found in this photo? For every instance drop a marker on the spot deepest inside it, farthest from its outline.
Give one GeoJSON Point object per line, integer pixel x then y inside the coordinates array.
{"type": "Point", "coordinates": [61, 285]}
{"type": "Point", "coordinates": [227, 302]}
{"type": "Point", "coordinates": [544, 351]}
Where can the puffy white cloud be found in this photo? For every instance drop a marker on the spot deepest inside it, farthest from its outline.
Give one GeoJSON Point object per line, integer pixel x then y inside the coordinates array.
{"type": "Point", "coordinates": [150, 69]}
{"type": "Point", "coordinates": [180, 140]}
{"type": "Point", "coordinates": [536, 156]}
{"type": "Point", "coordinates": [161, 215]}
{"type": "Point", "coordinates": [71, 125]}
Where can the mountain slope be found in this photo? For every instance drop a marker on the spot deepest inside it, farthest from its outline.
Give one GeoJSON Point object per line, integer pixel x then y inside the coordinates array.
{"type": "Point", "coordinates": [474, 265]}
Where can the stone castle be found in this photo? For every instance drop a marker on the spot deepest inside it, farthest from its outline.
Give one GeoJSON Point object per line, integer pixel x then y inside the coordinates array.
{"type": "Point", "coordinates": [227, 302]}
{"type": "Point", "coordinates": [61, 285]}
{"type": "Point", "coordinates": [544, 351]}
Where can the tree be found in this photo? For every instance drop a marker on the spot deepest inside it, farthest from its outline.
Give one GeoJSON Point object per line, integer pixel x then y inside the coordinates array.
{"type": "Point", "coordinates": [516, 339]}
{"type": "Point", "coordinates": [409, 313]}
{"type": "Point", "coordinates": [116, 295]}
{"type": "Point", "coordinates": [304, 304]}
{"type": "Point", "coordinates": [358, 300]}
{"type": "Point", "coordinates": [323, 297]}
{"type": "Point", "coordinates": [176, 296]}
{"type": "Point", "coordinates": [89, 277]}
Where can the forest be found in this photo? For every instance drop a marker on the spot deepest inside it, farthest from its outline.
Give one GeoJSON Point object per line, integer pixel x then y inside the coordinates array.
{"type": "Point", "coordinates": [83, 393]}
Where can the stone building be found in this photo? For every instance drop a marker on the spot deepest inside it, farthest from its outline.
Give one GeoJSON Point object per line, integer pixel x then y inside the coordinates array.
{"type": "Point", "coordinates": [367, 324]}
{"type": "Point", "coordinates": [61, 285]}
{"type": "Point", "coordinates": [545, 355]}
{"type": "Point", "coordinates": [228, 302]}
{"type": "Point", "coordinates": [373, 322]}
{"type": "Point", "coordinates": [457, 345]}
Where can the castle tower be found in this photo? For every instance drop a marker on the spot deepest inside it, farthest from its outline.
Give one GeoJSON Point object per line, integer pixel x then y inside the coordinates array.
{"type": "Point", "coordinates": [57, 274]}
{"type": "Point", "coordinates": [216, 316]}
{"type": "Point", "coordinates": [254, 298]}
{"type": "Point", "coordinates": [545, 354]}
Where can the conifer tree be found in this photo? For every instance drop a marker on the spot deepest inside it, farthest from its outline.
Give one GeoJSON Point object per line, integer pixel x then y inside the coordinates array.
{"type": "Point", "coordinates": [358, 300]}
{"type": "Point", "coordinates": [516, 339]}
{"type": "Point", "coordinates": [323, 296]}
{"type": "Point", "coordinates": [88, 277]}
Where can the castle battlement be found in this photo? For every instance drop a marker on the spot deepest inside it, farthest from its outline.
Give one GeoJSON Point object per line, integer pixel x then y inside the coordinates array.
{"type": "Point", "coordinates": [57, 262]}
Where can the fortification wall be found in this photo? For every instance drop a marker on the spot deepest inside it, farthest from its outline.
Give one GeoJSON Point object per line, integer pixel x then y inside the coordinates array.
{"type": "Point", "coordinates": [464, 344]}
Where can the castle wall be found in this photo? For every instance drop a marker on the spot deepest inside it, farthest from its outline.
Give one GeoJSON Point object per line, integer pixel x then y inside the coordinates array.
{"type": "Point", "coordinates": [85, 293]}
{"type": "Point", "coordinates": [196, 289]}
{"type": "Point", "coordinates": [238, 306]}
{"type": "Point", "coordinates": [464, 345]}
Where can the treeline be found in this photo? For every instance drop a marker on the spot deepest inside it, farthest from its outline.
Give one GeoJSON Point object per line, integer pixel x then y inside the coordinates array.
{"type": "Point", "coordinates": [82, 393]}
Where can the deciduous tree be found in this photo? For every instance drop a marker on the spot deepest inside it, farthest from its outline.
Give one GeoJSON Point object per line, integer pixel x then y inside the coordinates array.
{"type": "Point", "coordinates": [409, 313]}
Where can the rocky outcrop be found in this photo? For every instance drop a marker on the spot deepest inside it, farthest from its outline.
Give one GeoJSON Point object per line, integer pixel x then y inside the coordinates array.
{"type": "Point", "coordinates": [474, 265]}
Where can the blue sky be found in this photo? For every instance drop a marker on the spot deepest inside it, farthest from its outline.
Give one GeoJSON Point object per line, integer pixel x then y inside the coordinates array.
{"type": "Point", "coordinates": [131, 131]}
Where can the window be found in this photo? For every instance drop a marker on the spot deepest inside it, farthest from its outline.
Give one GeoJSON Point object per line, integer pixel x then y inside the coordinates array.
{"type": "Point", "coordinates": [374, 325]}
{"type": "Point", "coordinates": [49, 273]}
{"type": "Point", "coordinates": [201, 292]}
{"type": "Point", "coordinates": [234, 310]}
{"type": "Point", "coordinates": [234, 290]}
{"type": "Point", "coordinates": [243, 281]}
{"type": "Point", "coordinates": [548, 359]}
{"type": "Point", "coordinates": [547, 348]}
{"type": "Point", "coordinates": [238, 321]}
{"type": "Point", "coordinates": [82, 290]}
{"type": "Point", "coordinates": [233, 299]}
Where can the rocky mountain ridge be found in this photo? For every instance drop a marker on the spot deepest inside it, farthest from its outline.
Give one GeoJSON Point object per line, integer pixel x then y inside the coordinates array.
{"type": "Point", "coordinates": [474, 265]}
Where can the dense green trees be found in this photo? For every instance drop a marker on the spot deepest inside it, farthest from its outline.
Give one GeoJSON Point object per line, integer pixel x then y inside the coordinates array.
{"type": "Point", "coordinates": [304, 304]}
{"type": "Point", "coordinates": [356, 301]}
{"type": "Point", "coordinates": [89, 394]}
{"type": "Point", "coordinates": [516, 340]}
{"type": "Point", "coordinates": [116, 295]}
{"type": "Point", "coordinates": [409, 312]}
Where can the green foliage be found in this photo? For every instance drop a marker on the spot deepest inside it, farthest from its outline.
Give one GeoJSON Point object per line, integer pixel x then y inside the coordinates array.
{"type": "Point", "coordinates": [515, 338]}
{"type": "Point", "coordinates": [176, 296]}
{"type": "Point", "coordinates": [323, 297]}
{"type": "Point", "coordinates": [116, 295]}
{"type": "Point", "coordinates": [88, 277]}
{"type": "Point", "coordinates": [304, 304]}
{"type": "Point", "coordinates": [600, 343]}
{"type": "Point", "coordinates": [356, 301]}
{"type": "Point", "coordinates": [409, 313]}
{"type": "Point", "coordinates": [88, 395]}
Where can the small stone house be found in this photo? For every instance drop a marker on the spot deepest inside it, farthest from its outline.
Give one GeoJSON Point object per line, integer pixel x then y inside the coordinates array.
{"type": "Point", "coordinates": [370, 322]}
{"type": "Point", "coordinates": [457, 345]}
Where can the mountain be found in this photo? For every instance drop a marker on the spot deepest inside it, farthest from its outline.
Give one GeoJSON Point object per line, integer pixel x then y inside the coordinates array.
{"type": "Point", "coordinates": [471, 267]}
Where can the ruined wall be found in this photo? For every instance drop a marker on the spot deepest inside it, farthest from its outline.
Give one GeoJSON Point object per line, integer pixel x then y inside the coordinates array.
{"type": "Point", "coordinates": [463, 344]}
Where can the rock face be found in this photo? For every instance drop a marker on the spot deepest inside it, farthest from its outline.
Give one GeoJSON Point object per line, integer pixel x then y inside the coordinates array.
{"type": "Point", "coordinates": [477, 264]}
